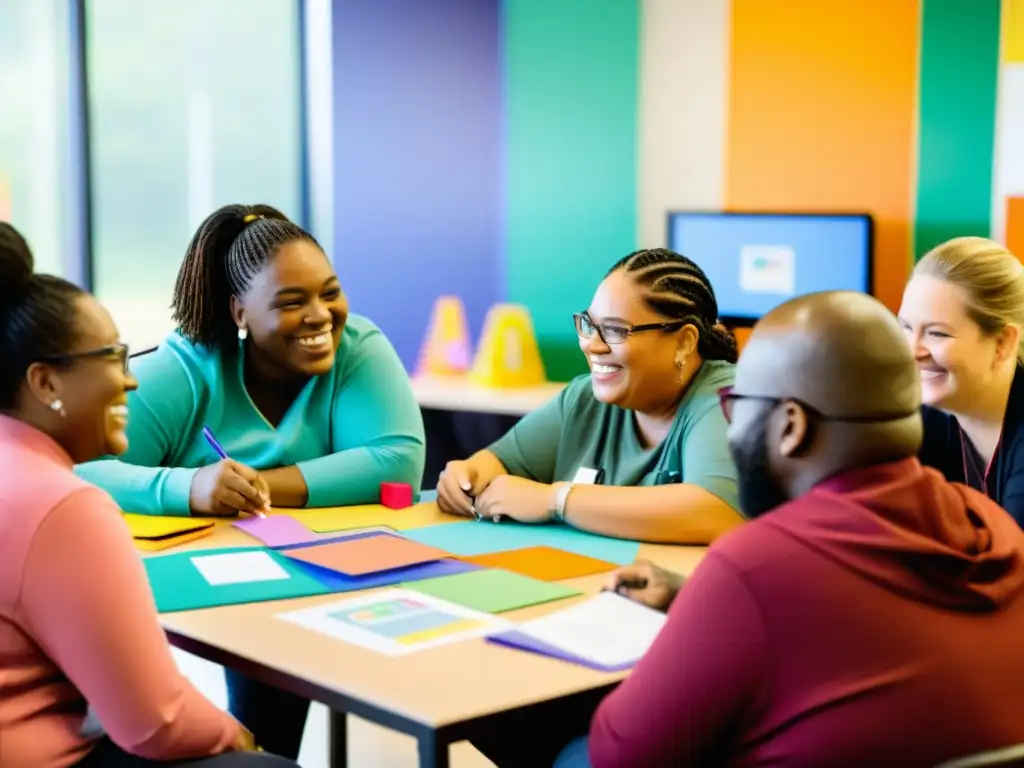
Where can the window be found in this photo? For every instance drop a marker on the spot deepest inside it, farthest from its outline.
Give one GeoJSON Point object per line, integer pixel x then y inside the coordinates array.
{"type": "Point", "coordinates": [34, 138]}
{"type": "Point", "coordinates": [193, 104]}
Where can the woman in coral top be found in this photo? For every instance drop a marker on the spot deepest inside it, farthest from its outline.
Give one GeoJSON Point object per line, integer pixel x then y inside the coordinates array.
{"type": "Point", "coordinates": [77, 619]}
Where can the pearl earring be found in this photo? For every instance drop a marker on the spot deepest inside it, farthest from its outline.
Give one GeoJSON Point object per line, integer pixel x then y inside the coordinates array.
{"type": "Point", "coordinates": [57, 406]}
{"type": "Point", "coordinates": [243, 334]}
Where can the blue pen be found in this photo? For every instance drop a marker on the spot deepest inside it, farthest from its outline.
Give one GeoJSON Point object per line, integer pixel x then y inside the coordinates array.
{"type": "Point", "coordinates": [215, 444]}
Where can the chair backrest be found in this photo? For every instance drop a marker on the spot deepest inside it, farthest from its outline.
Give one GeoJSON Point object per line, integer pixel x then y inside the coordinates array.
{"type": "Point", "coordinates": [1008, 757]}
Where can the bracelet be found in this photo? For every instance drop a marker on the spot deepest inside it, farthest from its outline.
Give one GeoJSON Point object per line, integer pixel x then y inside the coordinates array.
{"type": "Point", "coordinates": [561, 497]}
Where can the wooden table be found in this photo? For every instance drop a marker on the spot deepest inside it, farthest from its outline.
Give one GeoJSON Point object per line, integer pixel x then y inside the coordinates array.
{"type": "Point", "coordinates": [457, 393]}
{"type": "Point", "coordinates": [439, 695]}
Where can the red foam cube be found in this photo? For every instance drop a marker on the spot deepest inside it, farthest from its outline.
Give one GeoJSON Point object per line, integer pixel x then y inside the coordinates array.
{"type": "Point", "coordinates": [396, 495]}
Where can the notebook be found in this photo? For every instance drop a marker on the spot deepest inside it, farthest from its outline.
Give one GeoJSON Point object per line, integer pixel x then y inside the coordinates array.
{"type": "Point", "coordinates": [608, 633]}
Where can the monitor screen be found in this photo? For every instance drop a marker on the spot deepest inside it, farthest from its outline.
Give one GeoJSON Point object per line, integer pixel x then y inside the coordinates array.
{"type": "Point", "coordinates": [756, 261]}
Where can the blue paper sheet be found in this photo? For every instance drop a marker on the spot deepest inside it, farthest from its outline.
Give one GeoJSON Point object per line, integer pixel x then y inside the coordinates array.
{"type": "Point", "coordinates": [482, 537]}
{"type": "Point", "coordinates": [334, 581]}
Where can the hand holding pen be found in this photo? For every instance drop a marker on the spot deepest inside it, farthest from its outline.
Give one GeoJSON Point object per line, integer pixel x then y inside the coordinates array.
{"type": "Point", "coordinates": [227, 487]}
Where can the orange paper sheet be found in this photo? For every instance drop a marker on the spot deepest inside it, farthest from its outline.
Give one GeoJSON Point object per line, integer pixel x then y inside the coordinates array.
{"type": "Point", "coordinates": [544, 563]}
{"type": "Point", "coordinates": [356, 557]}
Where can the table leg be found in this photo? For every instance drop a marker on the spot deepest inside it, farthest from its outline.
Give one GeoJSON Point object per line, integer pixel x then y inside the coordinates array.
{"type": "Point", "coordinates": [433, 753]}
{"type": "Point", "coordinates": [338, 736]}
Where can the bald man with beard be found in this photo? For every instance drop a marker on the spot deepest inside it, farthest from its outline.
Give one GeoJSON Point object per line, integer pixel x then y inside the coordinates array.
{"type": "Point", "coordinates": [867, 615]}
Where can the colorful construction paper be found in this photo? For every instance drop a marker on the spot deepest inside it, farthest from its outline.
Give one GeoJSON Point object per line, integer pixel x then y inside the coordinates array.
{"type": "Point", "coordinates": [544, 563]}
{"type": "Point", "coordinates": [368, 554]}
{"type": "Point", "coordinates": [277, 530]}
{"type": "Point", "coordinates": [366, 516]}
{"type": "Point", "coordinates": [483, 537]}
{"type": "Point", "coordinates": [179, 585]}
{"type": "Point", "coordinates": [492, 590]}
{"type": "Point", "coordinates": [339, 582]}
{"type": "Point", "coordinates": [153, 533]}
{"type": "Point", "coordinates": [160, 527]}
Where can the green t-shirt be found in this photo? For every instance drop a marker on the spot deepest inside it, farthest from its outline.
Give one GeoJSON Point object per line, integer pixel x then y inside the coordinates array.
{"type": "Point", "coordinates": [577, 430]}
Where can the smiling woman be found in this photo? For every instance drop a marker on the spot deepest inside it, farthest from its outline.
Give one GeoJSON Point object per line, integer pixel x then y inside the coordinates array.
{"type": "Point", "coordinates": [310, 402]}
{"type": "Point", "coordinates": [963, 315]}
{"type": "Point", "coordinates": [637, 448]}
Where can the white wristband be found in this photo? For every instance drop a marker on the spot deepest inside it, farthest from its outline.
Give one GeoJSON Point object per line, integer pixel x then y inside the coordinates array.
{"type": "Point", "coordinates": [561, 497]}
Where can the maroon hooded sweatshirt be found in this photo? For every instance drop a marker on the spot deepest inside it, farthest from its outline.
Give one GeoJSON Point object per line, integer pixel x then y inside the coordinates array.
{"type": "Point", "coordinates": [875, 620]}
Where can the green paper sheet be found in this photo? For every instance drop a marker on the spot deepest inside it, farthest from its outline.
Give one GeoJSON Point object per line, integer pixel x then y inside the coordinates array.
{"type": "Point", "coordinates": [179, 585]}
{"type": "Point", "coordinates": [492, 590]}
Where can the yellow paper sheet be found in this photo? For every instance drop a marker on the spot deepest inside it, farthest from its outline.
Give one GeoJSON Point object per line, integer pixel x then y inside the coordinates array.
{"type": "Point", "coordinates": [365, 516]}
{"type": "Point", "coordinates": [156, 545]}
{"type": "Point", "coordinates": [159, 527]}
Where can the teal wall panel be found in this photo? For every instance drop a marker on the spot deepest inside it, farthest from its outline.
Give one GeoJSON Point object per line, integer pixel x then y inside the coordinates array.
{"type": "Point", "coordinates": [957, 113]}
{"type": "Point", "coordinates": [571, 82]}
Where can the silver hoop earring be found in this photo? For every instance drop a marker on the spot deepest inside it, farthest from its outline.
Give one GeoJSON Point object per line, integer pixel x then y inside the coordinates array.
{"type": "Point", "coordinates": [243, 334]}
{"type": "Point", "coordinates": [57, 406]}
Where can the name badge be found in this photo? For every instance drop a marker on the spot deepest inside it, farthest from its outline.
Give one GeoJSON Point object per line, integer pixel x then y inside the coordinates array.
{"type": "Point", "coordinates": [587, 476]}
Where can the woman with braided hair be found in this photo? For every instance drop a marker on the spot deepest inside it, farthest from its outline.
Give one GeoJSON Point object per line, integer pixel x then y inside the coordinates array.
{"type": "Point", "coordinates": [311, 403]}
{"type": "Point", "coordinates": [636, 448]}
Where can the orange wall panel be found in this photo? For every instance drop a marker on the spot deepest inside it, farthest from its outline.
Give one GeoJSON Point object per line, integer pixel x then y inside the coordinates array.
{"type": "Point", "coordinates": [1015, 226]}
{"type": "Point", "coordinates": [822, 116]}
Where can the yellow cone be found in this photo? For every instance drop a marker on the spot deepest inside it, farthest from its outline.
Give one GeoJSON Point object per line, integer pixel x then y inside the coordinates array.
{"type": "Point", "coordinates": [445, 350]}
{"type": "Point", "coordinates": [508, 355]}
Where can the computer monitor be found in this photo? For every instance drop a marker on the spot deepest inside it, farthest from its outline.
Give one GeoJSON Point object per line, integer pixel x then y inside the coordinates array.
{"type": "Point", "coordinates": [756, 261]}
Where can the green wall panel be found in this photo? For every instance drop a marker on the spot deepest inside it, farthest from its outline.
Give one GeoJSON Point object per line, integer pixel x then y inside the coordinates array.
{"type": "Point", "coordinates": [571, 79]}
{"type": "Point", "coordinates": [957, 112]}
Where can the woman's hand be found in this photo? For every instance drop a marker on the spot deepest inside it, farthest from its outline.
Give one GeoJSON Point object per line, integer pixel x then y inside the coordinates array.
{"type": "Point", "coordinates": [518, 498]}
{"type": "Point", "coordinates": [226, 488]}
{"type": "Point", "coordinates": [646, 583]}
{"type": "Point", "coordinates": [455, 488]}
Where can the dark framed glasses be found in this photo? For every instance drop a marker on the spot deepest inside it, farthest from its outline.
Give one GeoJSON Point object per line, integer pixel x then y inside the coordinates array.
{"type": "Point", "coordinates": [614, 333]}
{"type": "Point", "coordinates": [727, 397]}
{"type": "Point", "coordinates": [117, 352]}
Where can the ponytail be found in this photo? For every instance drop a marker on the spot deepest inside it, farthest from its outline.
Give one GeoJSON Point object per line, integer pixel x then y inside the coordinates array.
{"type": "Point", "coordinates": [230, 247]}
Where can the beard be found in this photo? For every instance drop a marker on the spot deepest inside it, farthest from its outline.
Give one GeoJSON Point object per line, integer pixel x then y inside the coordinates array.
{"type": "Point", "coordinates": [759, 491]}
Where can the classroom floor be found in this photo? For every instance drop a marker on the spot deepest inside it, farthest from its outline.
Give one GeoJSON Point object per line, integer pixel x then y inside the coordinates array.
{"type": "Point", "coordinates": [369, 746]}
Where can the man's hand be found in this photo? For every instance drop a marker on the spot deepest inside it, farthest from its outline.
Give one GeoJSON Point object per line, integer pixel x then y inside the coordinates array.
{"type": "Point", "coordinates": [646, 583]}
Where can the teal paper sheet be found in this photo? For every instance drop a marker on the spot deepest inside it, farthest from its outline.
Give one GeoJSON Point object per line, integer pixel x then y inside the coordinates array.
{"type": "Point", "coordinates": [179, 586]}
{"type": "Point", "coordinates": [482, 537]}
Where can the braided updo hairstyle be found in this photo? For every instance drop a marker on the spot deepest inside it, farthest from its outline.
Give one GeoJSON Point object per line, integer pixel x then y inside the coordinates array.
{"type": "Point", "coordinates": [38, 315]}
{"type": "Point", "coordinates": [227, 251]}
{"type": "Point", "coordinates": [679, 289]}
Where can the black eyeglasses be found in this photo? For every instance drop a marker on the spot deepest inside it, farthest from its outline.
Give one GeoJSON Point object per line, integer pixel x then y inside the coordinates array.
{"type": "Point", "coordinates": [612, 333]}
{"type": "Point", "coordinates": [117, 352]}
{"type": "Point", "coordinates": [727, 396]}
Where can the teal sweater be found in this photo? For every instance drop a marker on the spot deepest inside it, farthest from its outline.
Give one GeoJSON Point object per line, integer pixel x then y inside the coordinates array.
{"type": "Point", "coordinates": [347, 431]}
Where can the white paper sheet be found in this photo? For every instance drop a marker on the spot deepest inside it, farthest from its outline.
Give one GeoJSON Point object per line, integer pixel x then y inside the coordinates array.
{"type": "Point", "coordinates": [608, 629]}
{"type": "Point", "coordinates": [239, 568]}
{"type": "Point", "coordinates": [396, 621]}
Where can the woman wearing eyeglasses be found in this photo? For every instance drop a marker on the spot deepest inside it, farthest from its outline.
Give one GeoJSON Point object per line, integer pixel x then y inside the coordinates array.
{"type": "Point", "coordinates": [635, 449]}
{"type": "Point", "coordinates": [77, 619]}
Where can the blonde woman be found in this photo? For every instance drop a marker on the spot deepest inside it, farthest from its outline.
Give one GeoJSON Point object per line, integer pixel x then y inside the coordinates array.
{"type": "Point", "coordinates": [962, 312]}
